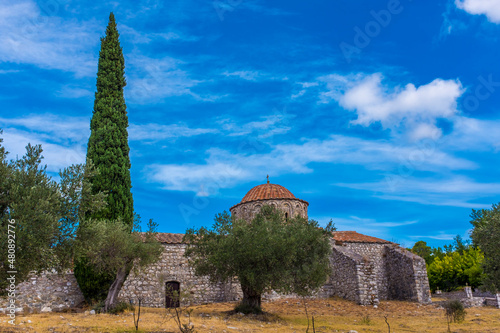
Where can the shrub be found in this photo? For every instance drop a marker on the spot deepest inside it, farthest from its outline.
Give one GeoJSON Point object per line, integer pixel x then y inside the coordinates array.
{"type": "Point", "coordinates": [121, 307]}
{"type": "Point", "coordinates": [454, 312]}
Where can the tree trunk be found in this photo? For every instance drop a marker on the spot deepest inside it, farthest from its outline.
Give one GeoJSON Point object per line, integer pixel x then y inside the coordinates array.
{"type": "Point", "coordinates": [115, 288]}
{"type": "Point", "coordinates": [251, 299]}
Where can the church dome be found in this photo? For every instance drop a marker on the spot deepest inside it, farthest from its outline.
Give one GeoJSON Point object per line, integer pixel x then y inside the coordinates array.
{"type": "Point", "coordinates": [273, 195]}
{"type": "Point", "coordinates": [267, 191]}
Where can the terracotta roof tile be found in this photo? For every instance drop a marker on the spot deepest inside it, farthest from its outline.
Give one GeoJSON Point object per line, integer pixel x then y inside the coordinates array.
{"type": "Point", "coordinates": [267, 191]}
{"type": "Point", "coordinates": [354, 237]}
{"type": "Point", "coordinates": [169, 238]}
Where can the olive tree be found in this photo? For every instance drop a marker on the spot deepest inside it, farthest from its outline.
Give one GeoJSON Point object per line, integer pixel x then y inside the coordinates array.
{"type": "Point", "coordinates": [264, 254]}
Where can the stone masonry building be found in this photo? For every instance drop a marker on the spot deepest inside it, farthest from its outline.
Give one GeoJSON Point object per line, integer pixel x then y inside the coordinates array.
{"type": "Point", "coordinates": [365, 269]}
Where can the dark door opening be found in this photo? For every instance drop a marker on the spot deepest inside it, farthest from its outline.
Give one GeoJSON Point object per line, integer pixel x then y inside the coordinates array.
{"type": "Point", "coordinates": [172, 294]}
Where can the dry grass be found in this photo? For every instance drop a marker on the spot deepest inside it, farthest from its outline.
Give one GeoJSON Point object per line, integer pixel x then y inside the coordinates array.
{"type": "Point", "coordinates": [332, 315]}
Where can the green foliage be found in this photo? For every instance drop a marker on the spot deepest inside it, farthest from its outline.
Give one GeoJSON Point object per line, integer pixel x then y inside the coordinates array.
{"type": "Point", "coordinates": [109, 246]}
{"type": "Point", "coordinates": [455, 270]}
{"type": "Point", "coordinates": [31, 198]}
{"type": "Point", "coordinates": [265, 254]}
{"type": "Point", "coordinates": [108, 143]}
{"type": "Point", "coordinates": [454, 311]}
{"type": "Point", "coordinates": [423, 250]}
{"type": "Point", "coordinates": [43, 210]}
{"type": "Point", "coordinates": [486, 235]}
{"type": "Point", "coordinates": [108, 150]}
{"type": "Point", "coordinates": [93, 283]}
{"type": "Point", "coordinates": [121, 307]}
{"type": "Point", "coordinates": [46, 213]}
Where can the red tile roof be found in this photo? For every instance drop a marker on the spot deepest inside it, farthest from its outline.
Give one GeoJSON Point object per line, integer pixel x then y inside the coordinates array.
{"type": "Point", "coordinates": [169, 238]}
{"type": "Point", "coordinates": [267, 191]}
{"type": "Point", "coordinates": [354, 237]}
{"type": "Point", "coordinates": [338, 236]}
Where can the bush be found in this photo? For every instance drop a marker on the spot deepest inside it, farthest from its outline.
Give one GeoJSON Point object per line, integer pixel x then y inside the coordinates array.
{"type": "Point", "coordinates": [121, 307]}
{"type": "Point", "coordinates": [94, 285]}
{"type": "Point", "coordinates": [454, 311]}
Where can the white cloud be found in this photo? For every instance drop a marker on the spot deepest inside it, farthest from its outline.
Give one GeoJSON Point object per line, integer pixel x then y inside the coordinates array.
{"type": "Point", "coordinates": [73, 92]}
{"type": "Point", "coordinates": [457, 191]}
{"type": "Point", "coordinates": [156, 132]}
{"type": "Point", "coordinates": [304, 86]}
{"type": "Point", "coordinates": [155, 79]}
{"type": "Point", "coordinates": [253, 75]}
{"type": "Point", "coordinates": [269, 126]}
{"type": "Point", "coordinates": [474, 134]}
{"type": "Point", "coordinates": [56, 156]}
{"type": "Point", "coordinates": [245, 75]}
{"type": "Point", "coordinates": [251, 163]}
{"type": "Point", "coordinates": [205, 180]}
{"type": "Point", "coordinates": [409, 108]}
{"type": "Point", "coordinates": [28, 36]}
{"type": "Point", "coordinates": [138, 37]}
{"type": "Point", "coordinates": [440, 236]}
{"type": "Point", "coordinates": [52, 127]}
{"type": "Point", "coordinates": [490, 8]}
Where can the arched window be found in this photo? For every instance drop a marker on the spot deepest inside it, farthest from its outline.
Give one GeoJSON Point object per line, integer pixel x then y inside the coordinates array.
{"type": "Point", "coordinates": [286, 217]}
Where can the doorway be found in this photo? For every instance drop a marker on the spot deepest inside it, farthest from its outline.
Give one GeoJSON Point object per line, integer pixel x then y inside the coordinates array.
{"type": "Point", "coordinates": [172, 294]}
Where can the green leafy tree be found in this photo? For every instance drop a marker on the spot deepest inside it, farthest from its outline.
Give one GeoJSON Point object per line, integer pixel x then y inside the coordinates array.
{"type": "Point", "coordinates": [45, 213]}
{"type": "Point", "coordinates": [421, 249]}
{"type": "Point", "coordinates": [108, 151]}
{"type": "Point", "coordinates": [110, 248]}
{"type": "Point", "coordinates": [486, 235]}
{"type": "Point", "coordinates": [30, 198]}
{"type": "Point", "coordinates": [455, 270]}
{"type": "Point", "coordinates": [264, 254]}
{"type": "Point", "coordinates": [108, 143]}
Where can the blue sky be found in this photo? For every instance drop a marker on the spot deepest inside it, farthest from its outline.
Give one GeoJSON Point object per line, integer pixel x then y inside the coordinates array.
{"type": "Point", "coordinates": [383, 115]}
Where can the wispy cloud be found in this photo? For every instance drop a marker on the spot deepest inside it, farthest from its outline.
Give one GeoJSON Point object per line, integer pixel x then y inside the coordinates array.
{"type": "Point", "coordinates": [474, 134]}
{"type": "Point", "coordinates": [28, 36]}
{"type": "Point", "coordinates": [152, 80]}
{"type": "Point", "coordinates": [139, 37]}
{"type": "Point", "coordinates": [439, 236]}
{"type": "Point", "coordinates": [73, 92]}
{"type": "Point", "coordinates": [293, 159]}
{"type": "Point", "coordinates": [57, 155]}
{"type": "Point", "coordinates": [157, 132]}
{"type": "Point", "coordinates": [51, 127]}
{"type": "Point", "coordinates": [269, 126]}
{"type": "Point", "coordinates": [253, 75]}
{"type": "Point", "coordinates": [304, 87]}
{"type": "Point", "coordinates": [457, 191]}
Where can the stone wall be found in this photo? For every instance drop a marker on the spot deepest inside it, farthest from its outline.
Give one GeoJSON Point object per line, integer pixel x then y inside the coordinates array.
{"type": "Point", "coordinates": [370, 272]}
{"type": "Point", "coordinates": [407, 275]}
{"type": "Point", "coordinates": [149, 284]}
{"type": "Point", "coordinates": [375, 274]}
{"type": "Point", "coordinates": [361, 272]}
{"type": "Point", "coordinates": [343, 278]}
{"type": "Point", "coordinates": [46, 292]}
{"type": "Point", "coordinates": [290, 207]}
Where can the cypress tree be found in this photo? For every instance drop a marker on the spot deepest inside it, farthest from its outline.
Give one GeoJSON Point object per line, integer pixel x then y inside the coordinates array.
{"type": "Point", "coordinates": [108, 143]}
{"type": "Point", "coordinates": [108, 151]}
